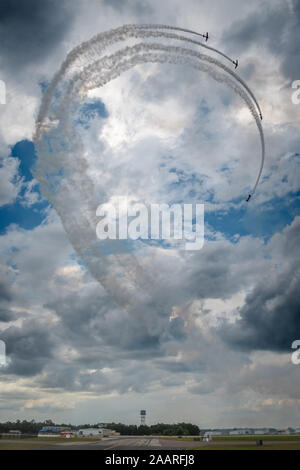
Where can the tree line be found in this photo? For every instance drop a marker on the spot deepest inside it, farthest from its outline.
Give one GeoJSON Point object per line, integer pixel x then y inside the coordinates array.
{"type": "Point", "coordinates": [160, 429]}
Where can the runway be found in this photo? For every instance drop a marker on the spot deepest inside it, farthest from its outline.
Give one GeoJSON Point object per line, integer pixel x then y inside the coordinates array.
{"type": "Point", "coordinates": [128, 443]}
{"type": "Point", "coordinates": [153, 443]}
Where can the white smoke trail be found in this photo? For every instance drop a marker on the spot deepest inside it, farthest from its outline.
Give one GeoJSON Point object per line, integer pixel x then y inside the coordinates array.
{"type": "Point", "coordinates": [60, 148]}
{"type": "Point", "coordinates": [165, 26]}
{"type": "Point", "coordinates": [175, 28]}
{"type": "Point", "coordinates": [96, 46]}
{"type": "Point", "coordinates": [183, 38]}
{"type": "Point", "coordinates": [131, 33]}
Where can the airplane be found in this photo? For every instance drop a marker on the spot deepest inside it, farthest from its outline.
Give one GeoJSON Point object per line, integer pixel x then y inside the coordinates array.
{"type": "Point", "coordinates": [235, 62]}
{"type": "Point", "coordinates": [205, 36]}
{"type": "Point", "coordinates": [248, 198]}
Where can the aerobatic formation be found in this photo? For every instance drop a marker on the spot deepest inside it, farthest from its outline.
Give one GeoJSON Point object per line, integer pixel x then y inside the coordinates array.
{"type": "Point", "coordinates": [62, 162]}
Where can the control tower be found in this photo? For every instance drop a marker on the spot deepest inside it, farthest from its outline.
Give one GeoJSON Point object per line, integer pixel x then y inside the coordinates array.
{"type": "Point", "coordinates": [143, 416]}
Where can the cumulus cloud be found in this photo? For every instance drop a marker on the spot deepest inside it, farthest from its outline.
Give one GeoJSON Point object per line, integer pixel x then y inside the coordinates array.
{"type": "Point", "coordinates": [82, 342]}
{"type": "Point", "coordinates": [30, 30]}
{"type": "Point", "coordinates": [274, 27]}
{"type": "Point", "coordinates": [28, 347]}
{"type": "Point", "coordinates": [6, 296]}
{"type": "Point", "coordinates": [10, 180]}
{"type": "Point", "coordinates": [270, 317]}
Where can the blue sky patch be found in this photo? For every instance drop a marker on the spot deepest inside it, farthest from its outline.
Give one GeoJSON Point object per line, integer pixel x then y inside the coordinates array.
{"type": "Point", "coordinates": [18, 213]}
{"type": "Point", "coordinates": [90, 111]}
{"type": "Point", "coordinates": [25, 152]}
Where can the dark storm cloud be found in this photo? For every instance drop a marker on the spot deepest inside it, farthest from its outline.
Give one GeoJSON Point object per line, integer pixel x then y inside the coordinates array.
{"type": "Point", "coordinates": [138, 7]}
{"type": "Point", "coordinates": [5, 293]}
{"type": "Point", "coordinates": [218, 272]}
{"type": "Point", "coordinates": [202, 389]}
{"type": "Point", "coordinates": [270, 318]}
{"type": "Point", "coordinates": [176, 329]}
{"type": "Point", "coordinates": [6, 315]}
{"type": "Point", "coordinates": [28, 348]}
{"type": "Point", "coordinates": [174, 367]}
{"type": "Point", "coordinates": [275, 27]}
{"type": "Point", "coordinates": [99, 321]}
{"type": "Point", "coordinates": [30, 29]}
{"type": "Point", "coordinates": [61, 375]}
{"type": "Point", "coordinates": [90, 318]}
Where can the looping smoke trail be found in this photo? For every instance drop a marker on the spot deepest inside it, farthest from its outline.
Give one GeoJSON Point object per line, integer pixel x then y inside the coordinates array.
{"type": "Point", "coordinates": [165, 26]}
{"type": "Point", "coordinates": [183, 38]}
{"type": "Point", "coordinates": [174, 28]}
{"type": "Point", "coordinates": [62, 163]}
{"type": "Point", "coordinates": [96, 46]}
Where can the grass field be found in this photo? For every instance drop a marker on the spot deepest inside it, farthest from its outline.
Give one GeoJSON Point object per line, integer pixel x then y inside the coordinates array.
{"type": "Point", "coordinates": [53, 439]}
{"type": "Point", "coordinates": [264, 437]}
{"type": "Point", "coordinates": [40, 442]}
{"type": "Point", "coordinates": [284, 446]}
{"type": "Point", "coordinates": [172, 438]}
{"type": "Point", "coordinates": [20, 445]}
{"type": "Point", "coordinates": [72, 439]}
{"type": "Point", "coordinates": [270, 442]}
{"type": "Point", "coordinates": [244, 438]}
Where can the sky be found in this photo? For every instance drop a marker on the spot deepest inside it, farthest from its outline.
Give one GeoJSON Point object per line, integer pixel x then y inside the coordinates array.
{"type": "Point", "coordinates": [203, 337]}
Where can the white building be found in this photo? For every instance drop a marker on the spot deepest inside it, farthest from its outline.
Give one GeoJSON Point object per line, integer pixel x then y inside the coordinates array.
{"type": "Point", "coordinates": [283, 431]}
{"type": "Point", "coordinates": [262, 431]}
{"type": "Point", "coordinates": [213, 433]}
{"type": "Point", "coordinates": [109, 433]}
{"type": "Point", "coordinates": [90, 432]}
{"type": "Point", "coordinates": [239, 432]}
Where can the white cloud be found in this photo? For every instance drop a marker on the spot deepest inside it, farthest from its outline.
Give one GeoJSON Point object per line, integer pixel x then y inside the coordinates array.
{"type": "Point", "coordinates": [17, 119]}
{"type": "Point", "coordinates": [10, 180]}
